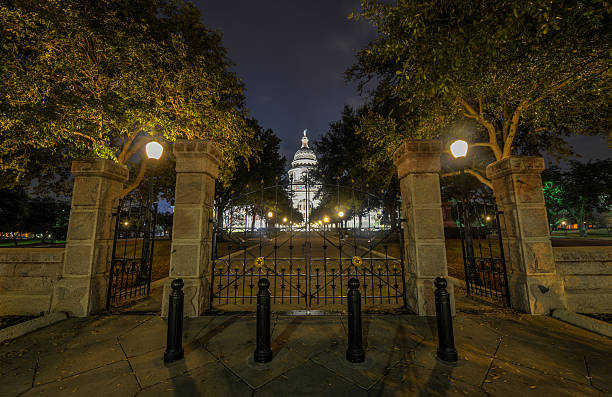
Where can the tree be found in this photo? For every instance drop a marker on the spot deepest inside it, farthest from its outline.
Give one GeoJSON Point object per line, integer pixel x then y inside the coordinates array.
{"type": "Point", "coordinates": [48, 217]}
{"type": "Point", "coordinates": [581, 191]}
{"type": "Point", "coordinates": [85, 78]}
{"type": "Point", "coordinates": [265, 168]}
{"type": "Point", "coordinates": [13, 211]}
{"type": "Point", "coordinates": [523, 72]}
{"type": "Point", "coordinates": [348, 160]}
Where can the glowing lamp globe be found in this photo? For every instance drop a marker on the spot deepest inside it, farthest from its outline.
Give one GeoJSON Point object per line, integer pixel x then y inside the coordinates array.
{"type": "Point", "coordinates": [459, 148]}
{"type": "Point", "coordinates": [270, 214]}
{"type": "Point", "coordinates": [326, 219]}
{"type": "Point", "coordinates": [340, 214]}
{"type": "Point", "coordinates": [154, 150]}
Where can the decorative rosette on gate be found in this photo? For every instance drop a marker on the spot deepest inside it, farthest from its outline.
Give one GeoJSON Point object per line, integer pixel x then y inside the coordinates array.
{"type": "Point", "coordinates": [259, 261]}
{"type": "Point", "coordinates": [356, 261]}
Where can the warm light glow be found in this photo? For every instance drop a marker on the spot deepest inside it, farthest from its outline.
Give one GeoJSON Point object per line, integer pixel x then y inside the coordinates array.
{"type": "Point", "coordinates": [326, 219]}
{"type": "Point", "coordinates": [340, 214]}
{"type": "Point", "coordinates": [488, 218]}
{"type": "Point", "coordinates": [563, 223]}
{"type": "Point", "coordinates": [459, 148]}
{"type": "Point", "coordinates": [270, 214]}
{"type": "Point", "coordinates": [126, 223]}
{"type": "Point", "coordinates": [154, 150]}
{"type": "Point", "coordinates": [284, 220]}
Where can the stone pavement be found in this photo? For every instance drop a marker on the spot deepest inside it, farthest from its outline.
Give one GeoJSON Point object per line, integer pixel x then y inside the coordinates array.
{"type": "Point", "coordinates": [502, 353]}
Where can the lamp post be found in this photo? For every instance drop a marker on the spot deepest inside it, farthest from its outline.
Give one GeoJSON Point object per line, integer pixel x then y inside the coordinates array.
{"type": "Point", "coordinates": [154, 151]}
{"type": "Point", "coordinates": [459, 150]}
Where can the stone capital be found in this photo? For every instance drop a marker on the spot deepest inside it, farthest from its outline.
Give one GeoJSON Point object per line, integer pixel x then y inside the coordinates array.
{"type": "Point", "coordinates": [102, 168]}
{"type": "Point", "coordinates": [418, 156]}
{"type": "Point", "coordinates": [197, 156]}
{"type": "Point", "coordinates": [515, 165]}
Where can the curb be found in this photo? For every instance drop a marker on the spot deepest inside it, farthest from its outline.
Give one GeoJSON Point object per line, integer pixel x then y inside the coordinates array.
{"type": "Point", "coordinates": [26, 327]}
{"type": "Point", "coordinates": [588, 323]}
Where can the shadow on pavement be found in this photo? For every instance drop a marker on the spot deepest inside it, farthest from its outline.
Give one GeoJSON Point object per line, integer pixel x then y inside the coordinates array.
{"type": "Point", "coordinates": [281, 340]}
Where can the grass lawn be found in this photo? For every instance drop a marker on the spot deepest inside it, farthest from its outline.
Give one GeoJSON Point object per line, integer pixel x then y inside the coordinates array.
{"type": "Point", "coordinates": [10, 243]}
{"type": "Point", "coordinates": [591, 234]}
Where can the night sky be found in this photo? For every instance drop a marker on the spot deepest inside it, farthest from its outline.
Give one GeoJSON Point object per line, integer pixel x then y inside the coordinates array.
{"type": "Point", "coordinates": [292, 55]}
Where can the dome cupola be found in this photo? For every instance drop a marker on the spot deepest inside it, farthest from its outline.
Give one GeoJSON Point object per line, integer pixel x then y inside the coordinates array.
{"type": "Point", "coordinates": [305, 156]}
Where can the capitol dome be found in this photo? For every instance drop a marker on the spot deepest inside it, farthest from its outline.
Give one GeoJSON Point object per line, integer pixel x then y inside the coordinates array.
{"type": "Point", "coordinates": [305, 156]}
{"type": "Point", "coordinates": [304, 193]}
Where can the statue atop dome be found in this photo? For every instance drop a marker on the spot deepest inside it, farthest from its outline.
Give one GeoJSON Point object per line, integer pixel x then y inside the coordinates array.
{"type": "Point", "coordinates": [305, 139]}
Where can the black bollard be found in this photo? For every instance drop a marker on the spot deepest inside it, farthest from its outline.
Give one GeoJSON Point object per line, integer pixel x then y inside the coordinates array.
{"type": "Point", "coordinates": [446, 340]}
{"type": "Point", "coordinates": [263, 353]}
{"type": "Point", "coordinates": [355, 352]}
{"type": "Point", "coordinates": [174, 349]}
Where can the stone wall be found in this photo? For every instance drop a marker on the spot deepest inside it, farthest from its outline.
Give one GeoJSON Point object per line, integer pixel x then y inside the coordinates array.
{"type": "Point", "coordinates": [587, 275]}
{"type": "Point", "coordinates": [27, 279]}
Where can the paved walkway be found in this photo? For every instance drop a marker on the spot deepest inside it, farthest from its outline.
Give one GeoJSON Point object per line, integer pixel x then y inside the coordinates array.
{"type": "Point", "coordinates": [501, 354]}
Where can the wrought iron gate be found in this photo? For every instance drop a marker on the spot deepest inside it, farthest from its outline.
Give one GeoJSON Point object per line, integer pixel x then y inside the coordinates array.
{"type": "Point", "coordinates": [308, 254]}
{"type": "Point", "coordinates": [132, 255]}
{"type": "Point", "coordinates": [483, 251]}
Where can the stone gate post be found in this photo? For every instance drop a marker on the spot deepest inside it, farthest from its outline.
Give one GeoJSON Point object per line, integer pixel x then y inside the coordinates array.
{"type": "Point", "coordinates": [418, 168]}
{"type": "Point", "coordinates": [197, 167]}
{"type": "Point", "coordinates": [97, 189]}
{"type": "Point", "coordinates": [534, 285]}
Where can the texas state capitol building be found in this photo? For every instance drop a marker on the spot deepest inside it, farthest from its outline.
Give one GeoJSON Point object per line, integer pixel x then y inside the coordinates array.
{"type": "Point", "coordinates": [305, 195]}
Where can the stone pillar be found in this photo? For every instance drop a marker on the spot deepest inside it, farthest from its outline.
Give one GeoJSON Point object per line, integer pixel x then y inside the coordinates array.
{"type": "Point", "coordinates": [84, 284]}
{"type": "Point", "coordinates": [197, 167]}
{"type": "Point", "coordinates": [418, 168]}
{"type": "Point", "coordinates": [534, 286]}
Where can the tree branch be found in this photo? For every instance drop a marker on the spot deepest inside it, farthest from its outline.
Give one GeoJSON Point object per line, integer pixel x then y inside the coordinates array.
{"type": "Point", "coordinates": [94, 140]}
{"type": "Point", "coordinates": [122, 157]}
{"type": "Point", "coordinates": [472, 172]}
{"type": "Point", "coordinates": [513, 129]}
{"type": "Point", "coordinates": [488, 125]}
{"type": "Point", "coordinates": [136, 148]}
{"type": "Point", "coordinates": [135, 182]}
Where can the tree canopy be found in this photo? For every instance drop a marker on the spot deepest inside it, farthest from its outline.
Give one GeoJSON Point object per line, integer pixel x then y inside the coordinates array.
{"type": "Point", "coordinates": [353, 172]}
{"type": "Point", "coordinates": [264, 169]}
{"type": "Point", "coordinates": [85, 78]}
{"type": "Point", "coordinates": [579, 193]}
{"type": "Point", "coordinates": [525, 73]}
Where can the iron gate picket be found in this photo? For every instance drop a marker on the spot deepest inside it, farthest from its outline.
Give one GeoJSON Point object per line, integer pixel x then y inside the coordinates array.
{"type": "Point", "coordinates": [308, 263]}
{"type": "Point", "coordinates": [132, 255]}
{"type": "Point", "coordinates": [482, 248]}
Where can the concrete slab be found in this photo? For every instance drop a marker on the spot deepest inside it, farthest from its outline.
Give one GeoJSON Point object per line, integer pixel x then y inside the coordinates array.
{"type": "Point", "coordinates": [234, 347]}
{"type": "Point", "coordinates": [17, 375]}
{"type": "Point", "coordinates": [68, 362]}
{"type": "Point", "coordinates": [145, 337]}
{"type": "Point", "coordinates": [411, 380]}
{"type": "Point", "coordinates": [212, 379]}
{"type": "Point", "coordinates": [302, 334]}
{"type": "Point", "coordinates": [386, 341]}
{"type": "Point", "coordinates": [550, 357]}
{"type": "Point", "coordinates": [150, 368]}
{"type": "Point", "coordinates": [314, 381]}
{"type": "Point", "coordinates": [471, 367]}
{"type": "Point", "coordinates": [600, 371]}
{"type": "Point", "coordinates": [114, 379]}
{"type": "Point", "coordinates": [506, 379]}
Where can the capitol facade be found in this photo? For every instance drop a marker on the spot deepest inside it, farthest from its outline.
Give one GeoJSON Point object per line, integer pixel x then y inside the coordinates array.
{"type": "Point", "coordinates": [304, 192]}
